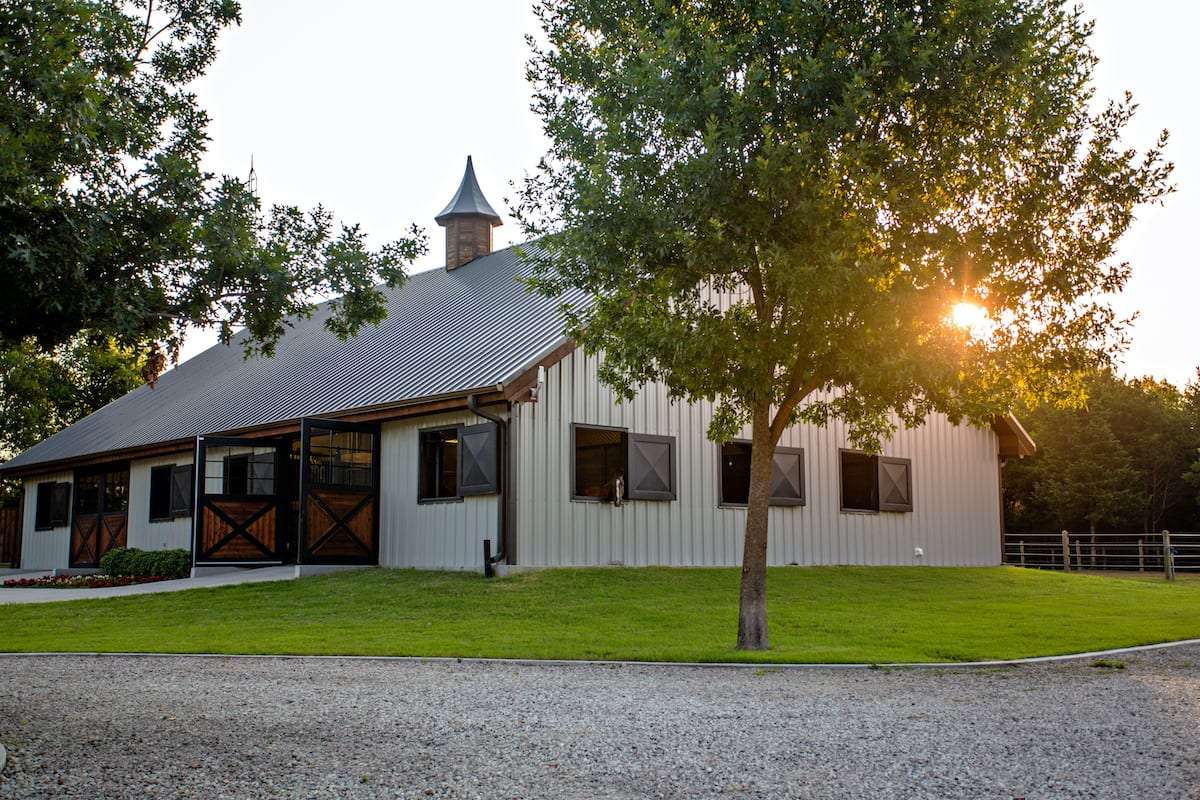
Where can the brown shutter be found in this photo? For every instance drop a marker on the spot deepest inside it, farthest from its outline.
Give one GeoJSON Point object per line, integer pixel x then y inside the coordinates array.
{"type": "Point", "coordinates": [181, 489]}
{"type": "Point", "coordinates": [478, 461]}
{"type": "Point", "coordinates": [60, 506]}
{"type": "Point", "coordinates": [651, 469]}
{"type": "Point", "coordinates": [787, 477]}
{"type": "Point", "coordinates": [895, 484]}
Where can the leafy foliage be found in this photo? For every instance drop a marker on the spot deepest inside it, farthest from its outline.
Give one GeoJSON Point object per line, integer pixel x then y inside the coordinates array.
{"type": "Point", "coordinates": [107, 221]}
{"type": "Point", "coordinates": [42, 392]}
{"type": "Point", "coordinates": [169, 564]}
{"type": "Point", "coordinates": [776, 207]}
{"type": "Point", "coordinates": [1126, 462]}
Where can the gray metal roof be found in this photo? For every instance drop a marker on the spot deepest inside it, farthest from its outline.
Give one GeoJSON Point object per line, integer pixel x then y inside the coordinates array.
{"type": "Point", "coordinates": [468, 200]}
{"type": "Point", "coordinates": [446, 333]}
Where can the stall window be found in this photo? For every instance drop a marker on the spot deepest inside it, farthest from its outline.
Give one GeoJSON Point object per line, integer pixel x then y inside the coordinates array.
{"type": "Point", "coordinates": [53, 505]}
{"type": "Point", "coordinates": [170, 492]}
{"type": "Point", "coordinates": [787, 475]}
{"type": "Point", "coordinates": [599, 461]}
{"type": "Point", "coordinates": [875, 483]}
{"type": "Point", "coordinates": [438, 464]}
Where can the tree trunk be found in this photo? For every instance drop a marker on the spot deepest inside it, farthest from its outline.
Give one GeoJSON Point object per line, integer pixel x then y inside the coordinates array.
{"type": "Point", "coordinates": [752, 603]}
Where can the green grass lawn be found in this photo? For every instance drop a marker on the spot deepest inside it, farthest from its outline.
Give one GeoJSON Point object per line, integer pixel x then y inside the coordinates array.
{"type": "Point", "coordinates": [821, 614]}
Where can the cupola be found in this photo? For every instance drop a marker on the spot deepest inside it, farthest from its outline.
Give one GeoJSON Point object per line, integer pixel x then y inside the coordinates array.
{"type": "Point", "coordinates": [468, 220]}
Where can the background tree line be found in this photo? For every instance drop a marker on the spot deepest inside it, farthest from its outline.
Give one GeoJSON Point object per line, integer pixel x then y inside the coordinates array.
{"type": "Point", "coordinates": [1129, 461]}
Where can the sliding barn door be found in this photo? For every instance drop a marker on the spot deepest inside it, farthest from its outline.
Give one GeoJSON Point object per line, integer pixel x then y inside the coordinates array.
{"type": "Point", "coordinates": [239, 516]}
{"type": "Point", "coordinates": [339, 492]}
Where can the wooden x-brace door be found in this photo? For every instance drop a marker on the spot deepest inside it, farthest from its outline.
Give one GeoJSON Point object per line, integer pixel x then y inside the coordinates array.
{"type": "Point", "coordinates": [238, 502]}
{"type": "Point", "coordinates": [339, 492]}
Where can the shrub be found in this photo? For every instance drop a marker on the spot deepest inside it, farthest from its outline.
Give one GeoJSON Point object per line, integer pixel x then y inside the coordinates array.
{"type": "Point", "coordinates": [147, 563]}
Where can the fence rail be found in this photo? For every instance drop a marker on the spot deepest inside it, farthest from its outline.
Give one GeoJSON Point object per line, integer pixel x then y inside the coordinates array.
{"type": "Point", "coordinates": [1167, 552]}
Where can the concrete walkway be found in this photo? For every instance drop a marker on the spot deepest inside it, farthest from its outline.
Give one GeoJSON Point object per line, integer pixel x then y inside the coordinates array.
{"type": "Point", "coordinates": [258, 575]}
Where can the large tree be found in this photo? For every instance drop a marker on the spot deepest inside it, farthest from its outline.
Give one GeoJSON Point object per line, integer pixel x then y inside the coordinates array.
{"type": "Point", "coordinates": [108, 223]}
{"type": "Point", "coordinates": [42, 392]}
{"type": "Point", "coordinates": [842, 175]}
{"type": "Point", "coordinates": [1124, 463]}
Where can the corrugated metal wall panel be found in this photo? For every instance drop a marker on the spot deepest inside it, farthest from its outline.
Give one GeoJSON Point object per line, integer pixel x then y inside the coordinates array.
{"type": "Point", "coordinates": [446, 535]}
{"type": "Point", "coordinates": [44, 549]}
{"type": "Point", "coordinates": [955, 473]}
{"type": "Point", "coordinates": [143, 533]}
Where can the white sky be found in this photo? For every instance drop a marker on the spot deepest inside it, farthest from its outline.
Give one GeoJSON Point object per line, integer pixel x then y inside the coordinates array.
{"type": "Point", "coordinates": [372, 107]}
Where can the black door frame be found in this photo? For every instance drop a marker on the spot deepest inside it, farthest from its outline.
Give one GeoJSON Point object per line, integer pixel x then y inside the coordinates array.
{"type": "Point", "coordinates": [303, 554]}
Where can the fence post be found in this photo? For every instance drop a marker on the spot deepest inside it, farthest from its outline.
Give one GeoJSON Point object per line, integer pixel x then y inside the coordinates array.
{"type": "Point", "coordinates": [1168, 556]}
{"type": "Point", "coordinates": [1021, 550]}
{"type": "Point", "coordinates": [1141, 554]}
{"type": "Point", "coordinates": [1078, 554]}
{"type": "Point", "coordinates": [1066, 551]}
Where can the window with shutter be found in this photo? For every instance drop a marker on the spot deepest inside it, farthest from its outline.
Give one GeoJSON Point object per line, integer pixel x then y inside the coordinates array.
{"type": "Point", "coordinates": [160, 493]}
{"type": "Point", "coordinates": [182, 486]}
{"type": "Point", "coordinates": [875, 483]}
{"type": "Point", "coordinates": [651, 467]}
{"type": "Point", "coordinates": [895, 484]}
{"type": "Point", "coordinates": [787, 475]}
{"type": "Point", "coordinates": [60, 504]}
{"type": "Point", "coordinates": [45, 496]}
{"type": "Point", "coordinates": [478, 459]}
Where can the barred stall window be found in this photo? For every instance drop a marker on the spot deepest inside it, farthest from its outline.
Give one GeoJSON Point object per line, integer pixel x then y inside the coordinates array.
{"type": "Point", "coordinates": [598, 463]}
{"type": "Point", "coordinates": [438, 464]}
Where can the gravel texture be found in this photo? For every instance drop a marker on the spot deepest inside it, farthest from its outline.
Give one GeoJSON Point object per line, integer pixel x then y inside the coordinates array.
{"type": "Point", "coordinates": [109, 727]}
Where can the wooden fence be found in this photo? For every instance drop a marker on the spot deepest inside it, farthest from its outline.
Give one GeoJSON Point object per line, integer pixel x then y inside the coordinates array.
{"type": "Point", "coordinates": [1167, 552]}
{"type": "Point", "coordinates": [10, 536]}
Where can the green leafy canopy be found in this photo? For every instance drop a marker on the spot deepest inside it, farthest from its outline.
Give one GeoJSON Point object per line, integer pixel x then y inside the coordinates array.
{"type": "Point", "coordinates": [778, 204]}
{"type": "Point", "coordinates": [109, 224]}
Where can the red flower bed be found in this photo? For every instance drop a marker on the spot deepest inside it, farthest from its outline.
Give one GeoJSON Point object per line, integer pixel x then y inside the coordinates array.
{"type": "Point", "coordinates": [77, 581]}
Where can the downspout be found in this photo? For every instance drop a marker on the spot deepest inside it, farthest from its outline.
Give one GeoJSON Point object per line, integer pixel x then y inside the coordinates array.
{"type": "Point", "coordinates": [502, 528]}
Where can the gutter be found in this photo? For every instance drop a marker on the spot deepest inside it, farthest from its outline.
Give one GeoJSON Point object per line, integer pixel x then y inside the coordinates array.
{"type": "Point", "coordinates": [502, 507]}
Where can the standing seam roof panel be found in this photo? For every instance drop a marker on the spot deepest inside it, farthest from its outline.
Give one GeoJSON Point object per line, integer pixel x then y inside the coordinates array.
{"type": "Point", "coordinates": [446, 332]}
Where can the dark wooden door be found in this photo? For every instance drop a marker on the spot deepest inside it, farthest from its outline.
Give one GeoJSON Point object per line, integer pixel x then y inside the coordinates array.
{"type": "Point", "coordinates": [339, 492]}
{"type": "Point", "coordinates": [238, 501]}
{"type": "Point", "coordinates": [100, 514]}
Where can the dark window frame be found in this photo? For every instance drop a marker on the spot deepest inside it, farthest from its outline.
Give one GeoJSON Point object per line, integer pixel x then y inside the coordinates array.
{"type": "Point", "coordinates": [173, 512]}
{"type": "Point", "coordinates": [774, 502]}
{"type": "Point", "coordinates": [156, 471]}
{"type": "Point", "coordinates": [583, 498]}
{"type": "Point", "coordinates": [251, 479]}
{"type": "Point", "coordinates": [879, 506]}
{"type": "Point", "coordinates": [45, 515]}
{"type": "Point", "coordinates": [457, 497]}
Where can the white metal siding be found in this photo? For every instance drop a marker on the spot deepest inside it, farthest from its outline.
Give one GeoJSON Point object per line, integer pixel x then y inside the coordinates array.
{"type": "Point", "coordinates": [955, 478]}
{"type": "Point", "coordinates": [446, 535]}
{"type": "Point", "coordinates": [143, 533]}
{"type": "Point", "coordinates": [44, 549]}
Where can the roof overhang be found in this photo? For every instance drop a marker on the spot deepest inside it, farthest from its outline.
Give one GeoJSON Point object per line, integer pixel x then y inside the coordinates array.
{"type": "Point", "coordinates": [1015, 441]}
{"type": "Point", "coordinates": [484, 396]}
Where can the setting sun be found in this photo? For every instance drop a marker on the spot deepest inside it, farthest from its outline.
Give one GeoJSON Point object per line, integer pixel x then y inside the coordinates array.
{"type": "Point", "coordinates": [968, 316]}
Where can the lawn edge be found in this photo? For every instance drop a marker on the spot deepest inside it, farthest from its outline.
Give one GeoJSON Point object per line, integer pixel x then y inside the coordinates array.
{"type": "Point", "coordinates": [567, 662]}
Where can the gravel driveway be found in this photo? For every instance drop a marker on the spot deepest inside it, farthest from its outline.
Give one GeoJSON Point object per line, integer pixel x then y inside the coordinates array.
{"type": "Point", "coordinates": [79, 727]}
